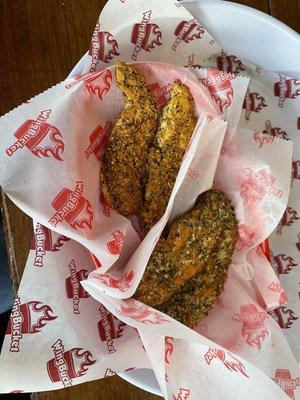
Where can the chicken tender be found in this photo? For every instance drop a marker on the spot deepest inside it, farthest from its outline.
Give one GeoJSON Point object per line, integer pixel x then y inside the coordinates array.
{"type": "Point", "coordinates": [182, 257]}
{"type": "Point", "coordinates": [176, 126]}
{"type": "Point", "coordinates": [199, 294]}
{"type": "Point", "coordinates": [125, 158]}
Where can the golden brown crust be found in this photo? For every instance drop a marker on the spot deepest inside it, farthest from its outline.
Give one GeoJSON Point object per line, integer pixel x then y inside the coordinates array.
{"type": "Point", "coordinates": [199, 294]}
{"type": "Point", "coordinates": [123, 170]}
{"type": "Point", "coordinates": [186, 270]}
{"type": "Point", "coordinates": [176, 126]}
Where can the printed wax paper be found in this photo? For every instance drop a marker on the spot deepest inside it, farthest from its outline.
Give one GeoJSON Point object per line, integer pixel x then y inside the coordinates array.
{"type": "Point", "coordinates": [255, 349]}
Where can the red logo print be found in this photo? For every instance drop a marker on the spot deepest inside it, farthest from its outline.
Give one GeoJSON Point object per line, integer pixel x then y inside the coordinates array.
{"type": "Point", "coordinates": [41, 138]}
{"type": "Point", "coordinates": [122, 284]}
{"type": "Point", "coordinates": [262, 139]}
{"type": "Point", "coordinates": [229, 361]}
{"type": "Point", "coordinates": [74, 290]}
{"type": "Point", "coordinates": [191, 62]}
{"type": "Point", "coordinates": [253, 328]}
{"type": "Point", "coordinates": [193, 174]}
{"type": "Point", "coordinates": [282, 264]}
{"type": "Point", "coordinates": [286, 88]}
{"type": "Point", "coordinates": [277, 288]}
{"type": "Point", "coordinates": [183, 394]}
{"type": "Point", "coordinates": [140, 312]}
{"type": "Point", "coordinates": [298, 243]}
{"type": "Point", "coordinates": [169, 347]}
{"type": "Point", "coordinates": [284, 380]}
{"type": "Point", "coordinates": [72, 207]}
{"type": "Point", "coordinates": [145, 35]}
{"type": "Point", "coordinates": [105, 206]}
{"type": "Point", "coordinates": [232, 150]}
{"type": "Point", "coordinates": [109, 328]}
{"type": "Point", "coordinates": [265, 249]}
{"type": "Point", "coordinates": [219, 86]}
{"type": "Point", "coordinates": [245, 236]}
{"type": "Point", "coordinates": [283, 316]}
{"type": "Point", "coordinates": [160, 93]}
{"type": "Point", "coordinates": [258, 185]}
{"type": "Point", "coordinates": [230, 63]}
{"type": "Point", "coordinates": [43, 242]}
{"type": "Point", "coordinates": [69, 364]}
{"type": "Point", "coordinates": [275, 132]}
{"type": "Point", "coordinates": [109, 372]}
{"type": "Point", "coordinates": [103, 47]}
{"type": "Point", "coordinates": [115, 245]}
{"type": "Point", "coordinates": [289, 217]}
{"type": "Point", "coordinates": [296, 169]}
{"type": "Point", "coordinates": [98, 141]}
{"type": "Point", "coordinates": [27, 318]}
{"type": "Point", "coordinates": [253, 102]}
{"type": "Point", "coordinates": [97, 83]}
{"type": "Point", "coordinates": [187, 31]}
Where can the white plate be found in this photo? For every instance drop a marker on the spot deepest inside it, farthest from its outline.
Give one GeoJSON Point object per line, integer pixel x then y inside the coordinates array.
{"type": "Point", "coordinates": [249, 34]}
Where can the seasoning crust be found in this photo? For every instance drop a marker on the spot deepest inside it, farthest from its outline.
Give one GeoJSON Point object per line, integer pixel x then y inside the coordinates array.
{"type": "Point", "coordinates": [124, 167]}
{"type": "Point", "coordinates": [187, 269]}
{"type": "Point", "coordinates": [176, 126]}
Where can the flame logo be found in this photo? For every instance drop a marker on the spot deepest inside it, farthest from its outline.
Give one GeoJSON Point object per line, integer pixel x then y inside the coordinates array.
{"type": "Point", "coordinates": [276, 132]}
{"type": "Point", "coordinates": [97, 89]}
{"type": "Point", "coordinates": [85, 222]}
{"type": "Point", "coordinates": [103, 46]}
{"type": "Point", "coordinates": [158, 38]}
{"type": "Point", "coordinates": [296, 169]}
{"type": "Point", "coordinates": [230, 63]}
{"type": "Point", "coordinates": [261, 101]}
{"type": "Point", "coordinates": [122, 284]}
{"type": "Point", "coordinates": [276, 287]}
{"type": "Point", "coordinates": [254, 102]}
{"type": "Point", "coordinates": [140, 312]}
{"type": "Point", "coordinates": [113, 51]}
{"type": "Point", "coordinates": [255, 337]}
{"type": "Point", "coordinates": [282, 263]}
{"type": "Point", "coordinates": [169, 347]}
{"type": "Point", "coordinates": [183, 394]}
{"type": "Point", "coordinates": [49, 151]}
{"type": "Point", "coordinates": [289, 217]}
{"type": "Point", "coordinates": [61, 239]}
{"type": "Point", "coordinates": [80, 353]}
{"type": "Point", "coordinates": [283, 316]}
{"type": "Point", "coordinates": [262, 138]}
{"type": "Point", "coordinates": [38, 307]}
{"type": "Point", "coordinates": [223, 99]}
{"type": "Point", "coordinates": [232, 364]}
{"type": "Point", "coordinates": [190, 30]}
{"type": "Point", "coordinates": [253, 327]}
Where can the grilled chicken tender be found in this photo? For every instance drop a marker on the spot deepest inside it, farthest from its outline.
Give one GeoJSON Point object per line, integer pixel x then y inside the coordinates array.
{"type": "Point", "coordinates": [176, 126]}
{"type": "Point", "coordinates": [199, 294]}
{"type": "Point", "coordinates": [181, 260]}
{"type": "Point", "coordinates": [125, 158]}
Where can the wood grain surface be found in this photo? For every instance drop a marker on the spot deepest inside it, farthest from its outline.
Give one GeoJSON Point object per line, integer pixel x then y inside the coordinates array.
{"type": "Point", "coordinates": [40, 42]}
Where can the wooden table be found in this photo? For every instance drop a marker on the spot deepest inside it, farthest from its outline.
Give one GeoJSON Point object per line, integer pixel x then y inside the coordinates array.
{"type": "Point", "coordinates": [40, 42]}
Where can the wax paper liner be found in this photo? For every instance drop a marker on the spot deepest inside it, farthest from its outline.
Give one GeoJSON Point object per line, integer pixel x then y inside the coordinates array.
{"type": "Point", "coordinates": [48, 148]}
{"type": "Point", "coordinates": [148, 31]}
{"type": "Point", "coordinates": [258, 188]}
{"type": "Point", "coordinates": [185, 43]}
{"type": "Point", "coordinates": [64, 359]}
{"type": "Point", "coordinates": [271, 106]}
{"type": "Point", "coordinates": [58, 335]}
